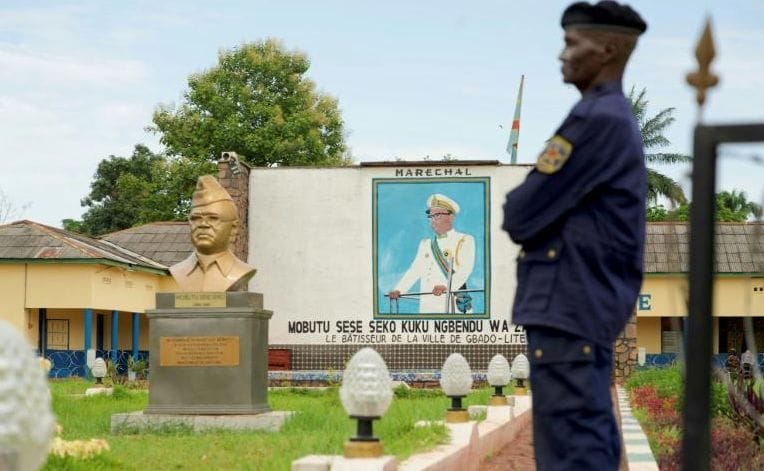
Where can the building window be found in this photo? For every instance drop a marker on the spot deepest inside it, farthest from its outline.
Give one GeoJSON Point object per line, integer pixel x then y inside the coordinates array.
{"type": "Point", "coordinates": [58, 334]}
{"type": "Point", "coordinates": [672, 334]}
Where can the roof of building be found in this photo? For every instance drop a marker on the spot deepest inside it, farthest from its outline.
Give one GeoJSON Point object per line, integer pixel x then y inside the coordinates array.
{"type": "Point", "coordinates": [28, 240]}
{"type": "Point", "coordinates": [158, 245]}
{"type": "Point", "coordinates": [739, 247]}
{"type": "Point", "coordinates": [166, 242]}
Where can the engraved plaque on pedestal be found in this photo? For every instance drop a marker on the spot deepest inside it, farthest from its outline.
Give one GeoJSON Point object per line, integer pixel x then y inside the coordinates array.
{"type": "Point", "coordinates": [209, 354]}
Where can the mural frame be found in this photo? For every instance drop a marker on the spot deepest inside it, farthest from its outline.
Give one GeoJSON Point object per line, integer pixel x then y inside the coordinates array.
{"type": "Point", "coordinates": [400, 204]}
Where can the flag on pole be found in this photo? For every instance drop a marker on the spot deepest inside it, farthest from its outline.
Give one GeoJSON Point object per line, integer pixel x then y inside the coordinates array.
{"type": "Point", "coordinates": [514, 134]}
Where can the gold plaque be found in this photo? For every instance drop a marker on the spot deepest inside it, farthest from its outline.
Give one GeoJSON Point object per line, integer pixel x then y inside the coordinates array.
{"type": "Point", "coordinates": [200, 299]}
{"type": "Point", "coordinates": [199, 351]}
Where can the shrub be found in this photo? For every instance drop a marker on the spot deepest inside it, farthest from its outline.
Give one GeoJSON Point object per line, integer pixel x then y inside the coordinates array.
{"type": "Point", "coordinates": [137, 365]}
{"type": "Point", "coordinates": [720, 402]}
{"type": "Point", "coordinates": [668, 382]}
{"type": "Point", "coordinates": [734, 448]}
{"type": "Point", "coordinates": [668, 447]}
{"type": "Point", "coordinates": [119, 392]}
{"type": "Point", "coordinates": [656, 398]}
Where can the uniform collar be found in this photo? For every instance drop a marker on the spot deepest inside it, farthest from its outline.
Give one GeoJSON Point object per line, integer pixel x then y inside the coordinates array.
{"type": "Point", "coordinates": [224, 261]}
{"type": "Point", "coordinates": [605, 88]}
{"type": "Point", "coordinates": [587, 101]}
{"type": "Point", "coordinates": [446, 234]}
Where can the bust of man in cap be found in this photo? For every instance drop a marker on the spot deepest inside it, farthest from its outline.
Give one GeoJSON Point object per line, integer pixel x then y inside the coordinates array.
{"type": "Point", "coordinates": [214, 221]}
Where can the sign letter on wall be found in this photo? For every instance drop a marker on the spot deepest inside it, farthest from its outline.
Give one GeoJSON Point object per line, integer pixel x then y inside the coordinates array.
{"type": "Point", "coordinates": [645, 302]}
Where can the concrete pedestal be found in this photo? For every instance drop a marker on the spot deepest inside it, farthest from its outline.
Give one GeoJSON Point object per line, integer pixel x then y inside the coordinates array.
{"type": "Point", "coordinates": [132, 422]}
{"type": "Point", "coordinates": [209, 354]}
{"type": "Point", "coordinates": [340, 463]}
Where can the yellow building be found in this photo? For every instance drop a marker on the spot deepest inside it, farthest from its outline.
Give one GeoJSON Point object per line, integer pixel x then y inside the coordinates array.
{"type": "Point", "coordinates": [69, 293]}
{"type": "Point", "coordinates": [738, 287]}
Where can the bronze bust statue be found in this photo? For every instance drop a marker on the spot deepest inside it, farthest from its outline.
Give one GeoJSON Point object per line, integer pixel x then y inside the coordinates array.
{"type": "Point", "coordinates": [214, 222]}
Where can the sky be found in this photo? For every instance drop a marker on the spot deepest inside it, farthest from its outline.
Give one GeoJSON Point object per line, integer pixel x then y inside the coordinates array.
{"type": "Point", "coordinates": [79, 80]}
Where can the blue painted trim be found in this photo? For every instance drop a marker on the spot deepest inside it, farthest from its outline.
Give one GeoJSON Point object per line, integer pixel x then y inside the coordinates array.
{"type": "Point", "coordinates": [66, 363]}
{"type": "Point", "coordinates": [88, 329]}
{"type": "Point", "coordinates": [114, 335]}
{"type": "Point", "coordinates": [136, 333]}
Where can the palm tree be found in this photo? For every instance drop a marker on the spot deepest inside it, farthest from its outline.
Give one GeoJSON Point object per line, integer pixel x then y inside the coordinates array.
{"type": "Point", "coordinates": [653, 139]}
{"type": "Point", "coordinates": [737, 205]}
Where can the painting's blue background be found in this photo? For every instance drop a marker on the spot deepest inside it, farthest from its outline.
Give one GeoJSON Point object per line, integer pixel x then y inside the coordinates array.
{"type": "Point", "coordinates": [402, 223]}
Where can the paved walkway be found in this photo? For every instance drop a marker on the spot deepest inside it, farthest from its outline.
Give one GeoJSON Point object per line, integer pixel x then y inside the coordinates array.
{"type": "Point", "coordinates": [516, 456]}
{"type": "Point", "coordinates": [636, 456]}
{"type": "Point", "coordinates": [636, 449]}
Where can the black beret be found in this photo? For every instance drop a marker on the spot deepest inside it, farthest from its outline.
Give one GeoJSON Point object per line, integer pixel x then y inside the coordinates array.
{"type": "Point", "coordinates": [605, 15]}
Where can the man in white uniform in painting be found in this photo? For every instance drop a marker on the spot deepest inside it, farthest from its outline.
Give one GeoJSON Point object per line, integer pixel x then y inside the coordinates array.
{"type": "Point", "coordinates": [447, 248]}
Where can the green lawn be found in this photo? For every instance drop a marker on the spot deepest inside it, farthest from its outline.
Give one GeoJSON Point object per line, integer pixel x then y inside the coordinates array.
{"type": "Point", "coordinates": [320, 426]}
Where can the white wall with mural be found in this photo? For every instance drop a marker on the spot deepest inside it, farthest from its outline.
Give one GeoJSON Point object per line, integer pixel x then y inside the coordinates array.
{"type": "Point", "coordinates": [332, 244]}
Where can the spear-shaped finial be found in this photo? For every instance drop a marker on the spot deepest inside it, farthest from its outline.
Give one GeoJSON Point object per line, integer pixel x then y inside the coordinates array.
{"type": "Point", "coordinates": [704, 52]}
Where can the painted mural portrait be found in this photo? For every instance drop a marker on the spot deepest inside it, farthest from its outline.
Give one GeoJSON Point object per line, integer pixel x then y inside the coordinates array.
{"type": "Point", "coordinates": [430, 248]}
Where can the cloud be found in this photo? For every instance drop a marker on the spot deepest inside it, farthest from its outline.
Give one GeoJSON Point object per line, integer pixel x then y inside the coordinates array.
{"type": "Point", "coordinates": [52, 144]}
{"type": "Point", "coordinates": [120, 113]}
{"type": "Point", "coordinates": [25, 66]}
{"type": "Point", "coordinates": [46, 25]}
{"type": "Point", "coordinates": [28, 120]}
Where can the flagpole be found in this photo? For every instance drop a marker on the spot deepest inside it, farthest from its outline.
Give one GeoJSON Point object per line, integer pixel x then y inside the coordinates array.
{"type": "Point", "coordinates": [514, 134]}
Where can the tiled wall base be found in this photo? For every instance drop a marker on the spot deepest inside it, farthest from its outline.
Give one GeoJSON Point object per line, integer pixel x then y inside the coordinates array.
{"type": "Point", "coordinates": [397, 357]}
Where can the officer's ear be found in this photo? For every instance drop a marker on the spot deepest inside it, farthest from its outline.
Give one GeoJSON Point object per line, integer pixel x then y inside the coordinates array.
{"type": "Point", "coordinates": [608, 52]}
{"type": "Point", "coordinates": [617, 47]}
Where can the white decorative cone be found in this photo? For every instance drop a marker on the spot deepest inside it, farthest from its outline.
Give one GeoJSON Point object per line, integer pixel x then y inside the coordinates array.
{"type": "Point", "coordinates": [26, 421]}
{"type": "Point", "coordinates": [498, 371]}
{"type": "Point", "coordinates": [366, 386]}
{"type": "Point", "coordinates": [456, 376]}
{"type": "Point", "coordinates": [99, 368]}
{"type": "Point", "coordinates": [520, 367]}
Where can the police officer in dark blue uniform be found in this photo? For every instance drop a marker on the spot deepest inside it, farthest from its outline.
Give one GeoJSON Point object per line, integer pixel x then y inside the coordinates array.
{"type": "Point", "coordinates": [580, 218]}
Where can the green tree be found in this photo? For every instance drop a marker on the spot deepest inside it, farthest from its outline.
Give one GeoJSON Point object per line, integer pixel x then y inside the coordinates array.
{"type": "Point", "coordinates": [734, 206]}
{"type": "Point", "coordinates": [652, 129]}
{"type": "Point", "coordinates": [657, 213]}
{"type": "Point", "coordinates": [731, 206]}
{"type": "Point", "coordinates": [257, 102]}
{"type": "Point", "coordinates": [171, 186]}
{"type": "Point", "coordinates": [144, 187]}
{"type": "Point", "coordinates": [113, 202]}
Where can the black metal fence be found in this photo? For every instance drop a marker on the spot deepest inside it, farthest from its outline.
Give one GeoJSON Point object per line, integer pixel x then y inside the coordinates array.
{"type": "Point", "coordinates": [696, 446]}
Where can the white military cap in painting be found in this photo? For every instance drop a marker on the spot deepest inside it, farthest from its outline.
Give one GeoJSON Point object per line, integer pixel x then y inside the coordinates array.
{"type": "Point", "coordinates": [442, 201]}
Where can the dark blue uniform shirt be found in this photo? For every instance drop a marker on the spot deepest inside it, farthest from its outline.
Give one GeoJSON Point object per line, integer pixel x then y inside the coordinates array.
{"type": "Point", "coordinates": [580, 218]}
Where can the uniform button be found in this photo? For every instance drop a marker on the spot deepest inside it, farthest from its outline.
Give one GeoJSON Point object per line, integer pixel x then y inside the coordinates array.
{"type": "Point", "coordinates": [587, 349]}
{"type": "Point", "coordinates": [552, 253]}
{"type": "Point", "coordinates": [538, 353]}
